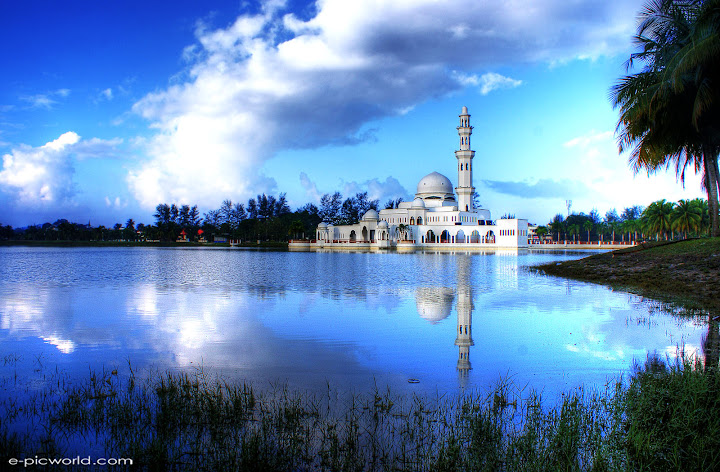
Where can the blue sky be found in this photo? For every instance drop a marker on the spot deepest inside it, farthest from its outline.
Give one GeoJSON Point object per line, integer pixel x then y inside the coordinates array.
{"type": "Point", "coordinates": [109, 108]}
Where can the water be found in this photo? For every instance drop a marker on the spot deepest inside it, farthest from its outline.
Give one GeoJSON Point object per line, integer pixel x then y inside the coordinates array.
{"type": "Point", "coordinates": [351, 320]}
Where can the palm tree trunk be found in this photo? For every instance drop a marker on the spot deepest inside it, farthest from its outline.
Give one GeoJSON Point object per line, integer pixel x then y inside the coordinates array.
{"type": "Point", "coordinates": [711, 183]}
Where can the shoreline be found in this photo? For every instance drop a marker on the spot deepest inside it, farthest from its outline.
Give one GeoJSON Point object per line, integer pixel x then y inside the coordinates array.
{"type": "Point", "coordinates": [685, 272]}
{"type": "Point", "coordinates": [267, 245]}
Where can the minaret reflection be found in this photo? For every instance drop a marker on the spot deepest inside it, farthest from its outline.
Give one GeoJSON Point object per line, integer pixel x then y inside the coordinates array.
{"type": "Point", "coordinates": [434, 304]}
{"type": "Point", "coordinates": [464, 309]}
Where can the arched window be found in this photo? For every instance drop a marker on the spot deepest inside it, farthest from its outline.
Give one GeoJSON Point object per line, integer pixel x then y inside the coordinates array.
{"type": "Point", "coordinates": [419, 220]}
{"type": "Point", "coordinates": [412, 220]}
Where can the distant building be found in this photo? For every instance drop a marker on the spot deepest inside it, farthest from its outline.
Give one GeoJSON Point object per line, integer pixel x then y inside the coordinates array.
{"type": "Point", "coordinates": [438, 215]}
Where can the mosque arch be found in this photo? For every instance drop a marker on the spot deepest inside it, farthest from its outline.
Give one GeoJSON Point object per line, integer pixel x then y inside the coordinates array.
{"type": "Point", "coordinates": [353, 236]}
{"type": "Point", "coordinates": [475, 237]}
{"type": "Point", "coordinates": [412, 220]}
{"type": "Point", "coordinates": [445, 237]}
{"type": "Point", "coordinates": [430, 237]}
{"type": "Point", "coordinates": [460, 237]}
{"type": "Point", "coordinates": [490, 237]}
{"type": "Point", "coordinates": [419, 220]}
{"type": "Point", "coordinates": [364, 233]}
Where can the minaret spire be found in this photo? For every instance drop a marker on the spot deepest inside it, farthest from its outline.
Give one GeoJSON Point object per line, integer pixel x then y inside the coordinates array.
{"type": "Point", "coordinates": [465, 156]}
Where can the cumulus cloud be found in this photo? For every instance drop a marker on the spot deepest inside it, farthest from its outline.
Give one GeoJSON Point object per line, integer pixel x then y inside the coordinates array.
{"type": "Point", "coordinates": [377, 189]}
{"type": "Point", "coordinates": [273, 81]}
{"type": "Point", "coordinates": [39, 176]}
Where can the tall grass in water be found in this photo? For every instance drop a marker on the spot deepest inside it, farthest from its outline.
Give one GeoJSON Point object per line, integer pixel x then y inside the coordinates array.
{"type": "Point", "coordinates": [663, 418]}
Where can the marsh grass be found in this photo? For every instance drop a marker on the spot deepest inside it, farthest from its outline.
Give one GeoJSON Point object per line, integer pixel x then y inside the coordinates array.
{"type": "Point", "coordinates": [662, 418]}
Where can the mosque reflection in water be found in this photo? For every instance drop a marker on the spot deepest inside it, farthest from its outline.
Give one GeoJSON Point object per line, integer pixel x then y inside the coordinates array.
{"type": "Point", "coordinates": [434, 304]}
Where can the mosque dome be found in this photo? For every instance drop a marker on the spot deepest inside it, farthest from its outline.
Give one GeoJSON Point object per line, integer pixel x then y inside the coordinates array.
{"type": "Point", "coordinates": [464, 111]}
{"type": "Point", "coordinates": [383, 224]}
{"type": "Point", "coordinates": [370, 215]}
{"type": "Point", "coordinates": [435, 185]}
{"type": "Point", "coordinates": [322, 225]}
{"type": "Point", "coordinates": [434, 304]}
{"type": "Point", "coordinates": [418, 203]}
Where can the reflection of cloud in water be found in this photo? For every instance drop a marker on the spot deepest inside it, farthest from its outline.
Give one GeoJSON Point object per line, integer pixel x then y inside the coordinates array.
{"type": "Point", "coordinates": [64, 345]}
{"type": "Point", "coordinates": [343, 316]}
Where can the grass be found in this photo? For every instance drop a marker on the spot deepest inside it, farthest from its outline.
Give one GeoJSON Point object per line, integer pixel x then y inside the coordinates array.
{"type": "Point", "coordinates": [662, 418]}
{"type": "Point", "coordinates": [685, 271]}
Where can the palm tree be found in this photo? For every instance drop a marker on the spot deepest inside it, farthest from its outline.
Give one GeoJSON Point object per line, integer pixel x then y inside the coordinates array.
{"type": "Point", "coordinates": [588, 226]}
{"type": "Point", "coordinates": [686, 216]}
{"type": "Point", "coordinates": [702, 205]}
{"type": "Point", "coordinates": [574, 230]}
{"type": "Point", "coordinates": [541, 232]}
{"type": "Point", "coordinates": [669, 110]}
{"type": "Point", "coordinates": [657, 217]}
{"type": "Point", "coordinates": [557, 225]}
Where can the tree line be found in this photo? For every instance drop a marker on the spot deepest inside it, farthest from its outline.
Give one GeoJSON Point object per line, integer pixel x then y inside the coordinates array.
{"type": "Point", "coordinates": [263, 218]}
{"type": "Point", "coordinates": [660, 220]}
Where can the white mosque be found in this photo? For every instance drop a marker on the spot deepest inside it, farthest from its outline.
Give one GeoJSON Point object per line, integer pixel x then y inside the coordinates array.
{"type": "Point", "coordinates": [438, 217]}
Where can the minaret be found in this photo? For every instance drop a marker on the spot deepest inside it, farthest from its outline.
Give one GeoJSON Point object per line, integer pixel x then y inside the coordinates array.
{"type": "Point", "coordinates": [465, 188]}
{"type": "Point", "coordinates": [464, 308]}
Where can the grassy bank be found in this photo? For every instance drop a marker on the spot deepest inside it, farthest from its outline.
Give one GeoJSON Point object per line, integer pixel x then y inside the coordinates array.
{"type": "Point", "coordinates": [661, 419]}
{"type": "Point", "coordinates": [684, 271]}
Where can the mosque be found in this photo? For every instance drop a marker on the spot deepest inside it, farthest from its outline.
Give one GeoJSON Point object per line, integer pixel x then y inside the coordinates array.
{"type": "Point", "coordinates": [438, 217]}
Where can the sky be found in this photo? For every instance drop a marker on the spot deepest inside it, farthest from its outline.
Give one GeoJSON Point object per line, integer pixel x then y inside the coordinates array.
{"type": "Point", "coordinates": [109, 108]}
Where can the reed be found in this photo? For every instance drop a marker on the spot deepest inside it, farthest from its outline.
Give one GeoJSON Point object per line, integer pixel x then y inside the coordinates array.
{"type": "Point", "coordinates": [661, 418]}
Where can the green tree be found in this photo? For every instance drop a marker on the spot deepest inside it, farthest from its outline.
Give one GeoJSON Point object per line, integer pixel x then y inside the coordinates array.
{"type": "Point", "coordinates": [129, 231]}
{"type": "Point", "coordinates": [669, 111]}
{"type": "Point", "coordinates": [657, 217]}
{"type": "Point", "coordinates": [574, 230]}
{"type": "Point", "coordinates": [557, 225]}
{"type": "Point", "coordinates": [541, 232]}
{"type": "Point", "coordinates": [686, 216]}
{"type": "Point", "coordinates": [588, 226]}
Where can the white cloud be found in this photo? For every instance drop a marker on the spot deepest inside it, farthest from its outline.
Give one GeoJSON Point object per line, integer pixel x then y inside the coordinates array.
{"type": "Point", "coordinates": [116, 203]}
{"type": "Point", "coordinates": [45, 100]}
{"type": "Point", "coordinates": [376, 189]}
{"type": "Point", "coordinates": [310, 187]}
{"type": "Point", "coordinates": [488, 82]}
{"type": "Point", "coordinates": [248, 94]}
{"type": "Point", "coordinates": [609, 182]}
{"type": "Point", "coordinates": [38, 176]}
{"type": "Point", "coordinates": [589, 139]}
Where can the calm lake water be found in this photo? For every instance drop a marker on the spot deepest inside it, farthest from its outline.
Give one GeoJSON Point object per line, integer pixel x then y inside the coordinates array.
{"type": "Point", "coordinates": [353, 320]}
